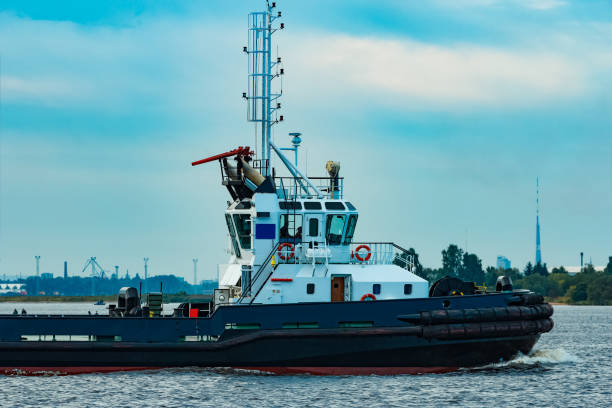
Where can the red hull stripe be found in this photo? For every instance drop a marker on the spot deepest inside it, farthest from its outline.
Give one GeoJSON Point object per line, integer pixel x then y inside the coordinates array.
{"type": "Point", "coordinates": [351, 370]}
{"type": "Point", "coordinates": [67, 370]}
{"type": "Point", "coordinates": [281, 280]}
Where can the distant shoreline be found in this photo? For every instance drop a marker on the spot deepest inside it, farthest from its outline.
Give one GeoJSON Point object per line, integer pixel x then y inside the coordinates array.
{"type": "Point", "coordinates": [168, 298]}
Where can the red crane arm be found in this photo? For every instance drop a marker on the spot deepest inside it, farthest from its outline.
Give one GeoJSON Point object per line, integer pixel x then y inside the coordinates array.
{"type": "Point", "coordinates": [240, 151]}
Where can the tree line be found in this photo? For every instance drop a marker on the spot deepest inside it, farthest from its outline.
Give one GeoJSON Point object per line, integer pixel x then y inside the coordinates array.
{"type": "Point", "coordinates": [586, 287]}
{"type": "Point", "coordinates": [84, 286]}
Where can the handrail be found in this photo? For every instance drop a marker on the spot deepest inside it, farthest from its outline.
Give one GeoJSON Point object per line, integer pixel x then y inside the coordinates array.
{"type": "Point", "coordinates": [256, 276]}
{"type": "Point", "coordinates": [409, 260]}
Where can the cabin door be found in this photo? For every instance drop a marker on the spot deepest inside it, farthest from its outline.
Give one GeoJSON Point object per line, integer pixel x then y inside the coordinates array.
{"type": "Point", "coordinates": [313, 230]}
{"type": "Point", "coordinates": [337, 289]}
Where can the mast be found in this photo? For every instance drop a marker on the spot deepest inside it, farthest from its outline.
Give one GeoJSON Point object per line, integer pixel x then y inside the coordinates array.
{"type": "Point", "coordinates": [260, 107]}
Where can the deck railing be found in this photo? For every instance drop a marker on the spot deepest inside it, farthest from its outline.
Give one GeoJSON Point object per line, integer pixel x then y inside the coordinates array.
{"type": "Point", "coordinates": [359, 253]}
{"type": "Point", "coordinates": [293, 187]}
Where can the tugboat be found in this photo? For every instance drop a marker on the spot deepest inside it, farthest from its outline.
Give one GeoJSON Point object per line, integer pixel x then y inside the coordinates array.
{"type": "Point", "coordinates": [298, 293]}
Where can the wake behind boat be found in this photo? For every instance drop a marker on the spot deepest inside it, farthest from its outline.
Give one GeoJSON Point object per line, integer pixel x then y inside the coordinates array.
{"type": "Point", "coordinates": [298, 294]}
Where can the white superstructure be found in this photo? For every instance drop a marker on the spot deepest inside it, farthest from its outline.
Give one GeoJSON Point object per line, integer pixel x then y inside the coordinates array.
{"type": "Point", "coordinates": [291, 238]}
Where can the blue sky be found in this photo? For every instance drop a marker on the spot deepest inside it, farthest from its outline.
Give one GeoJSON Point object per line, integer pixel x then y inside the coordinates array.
{"type": "Point", "coordinates": [442, 114]}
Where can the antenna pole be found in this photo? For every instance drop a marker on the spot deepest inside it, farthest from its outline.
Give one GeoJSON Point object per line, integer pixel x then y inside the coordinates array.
{"type": "Point", "coordinates": [268, 80]}
{"type": "Point", "coordinates": [37, 274]}
{"type": "Point", "coordinates": [259, 95]}
{"type": "Point", "coordinates": [538, 249]}
{"type": "Point", "coordinates": [146, 264]}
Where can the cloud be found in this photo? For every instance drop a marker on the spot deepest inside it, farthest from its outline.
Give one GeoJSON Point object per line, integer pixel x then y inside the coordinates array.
{"type": "Point", "coordinates": [530, 4]}
{"type": "Point", "coordinates": [45, 90]}
{"type": "Point", "coordinates": [156, 63]}
{"type": "Point", "coordinates": [418, 74]}
{"type": "Point", "coordinates": [544, 4]}
{"type": "Point", "coordinates": [171, 65]}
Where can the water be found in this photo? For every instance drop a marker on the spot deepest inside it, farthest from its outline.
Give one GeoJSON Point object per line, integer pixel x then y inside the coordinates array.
{"type": "Point", "coordinates": [569, 367]}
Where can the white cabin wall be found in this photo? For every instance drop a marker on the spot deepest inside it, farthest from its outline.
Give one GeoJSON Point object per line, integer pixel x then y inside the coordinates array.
{"type": "Point", "coordinates": [361, 278]}
{"type": "Point", "coordinates": [265, 203]}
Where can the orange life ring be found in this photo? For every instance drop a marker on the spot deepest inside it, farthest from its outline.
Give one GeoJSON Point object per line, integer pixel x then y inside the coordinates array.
{"type": "Point", "coordinates": [368, 296]}
{"type": "Point", "coordinates": [291, 253]}
{"type": "Point", "coordinates": [367, 257]}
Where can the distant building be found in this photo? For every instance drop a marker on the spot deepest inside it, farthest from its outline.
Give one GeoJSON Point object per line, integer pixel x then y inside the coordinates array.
{"type": "Point", "coordinates": [46, 275]}
{"type": "Point", "coordinates": [503, 263]}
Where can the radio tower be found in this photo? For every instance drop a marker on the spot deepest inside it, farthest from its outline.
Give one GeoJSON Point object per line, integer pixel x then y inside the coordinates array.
{"type": "Point", "coordinates": [37, 274]}
{"type": "Point", "coordinates": [146, 267]}
{"type": "Point", "coordinates": [538, 250]}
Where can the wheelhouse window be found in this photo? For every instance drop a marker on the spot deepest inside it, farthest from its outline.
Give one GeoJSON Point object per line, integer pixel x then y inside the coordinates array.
{"type": "Point", "coordinates": [291, 226]}
{"type": "Point", "coordinates": [376, 289]}
{"type": "Point", "coordinates": [350, 229]}
{"type": "Point", "coordinates": [232, 232]}
{"type": "Point", "coordinates": [334, 205]}
{"type": "Point", "coordinates": [243, 227]}
{"type": "Point", "coordinates": [310, 288]}
{"type": "Point", "coordinates": [335, 229]}
{"type": "Point", "coordinates": [313, 227]}
{"type": "Point", "coordinates": [290, 205]}
{"type": "Point", "coordinates": [312, 205]}
{"type": "Point", "coordinates": [407, 288]}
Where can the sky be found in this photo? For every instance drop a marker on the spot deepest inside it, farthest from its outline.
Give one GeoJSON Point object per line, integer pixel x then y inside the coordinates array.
{"type": "Point", "coordinates": [442, 114]}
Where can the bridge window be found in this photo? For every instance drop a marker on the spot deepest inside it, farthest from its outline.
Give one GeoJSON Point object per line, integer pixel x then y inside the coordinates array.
{"type": "Point", "coordinates": [291, 226]}
{"type": "Point", "coordinates": [334, 205]}
{"type": "Point", "coordinates": [312, 205]}
{"type": "Point", "coordinates": [290, 205]}
{"type": "Point", "coordinates": [243, 226]}
{"type": "Point", "coordinates": [335, 229]}
{"type": "Point", "coordinates": [350, 206]}
{"type": "Point", "coordinates": [243, 205]}
{"type": "Point", "coordinates": [350, 229]}
{"type": "Point", "coordinates": [313, 227]}
{"type": "Point", "coordinates": [376, 289]}
{"type": "Point", "coordinates": [232, 232]}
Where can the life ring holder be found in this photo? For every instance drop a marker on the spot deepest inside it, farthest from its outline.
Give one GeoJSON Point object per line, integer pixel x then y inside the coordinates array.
{"type": "Point", "coordinates": [368, 296]}
{"type": "Point", "coordinates": [368, 255]}
{"type": "Point", "coordinates": [291, 253]}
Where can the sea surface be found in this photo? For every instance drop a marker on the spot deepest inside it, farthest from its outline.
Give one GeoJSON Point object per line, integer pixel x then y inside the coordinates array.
{"type": "Point", "coordinates": [569, 367]}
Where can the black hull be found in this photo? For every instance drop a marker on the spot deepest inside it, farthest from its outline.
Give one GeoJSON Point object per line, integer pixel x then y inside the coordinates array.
{"type": "Point", "coordinates": [382, 350]}
{"type": "Point", "coordinates": [410, 336]}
